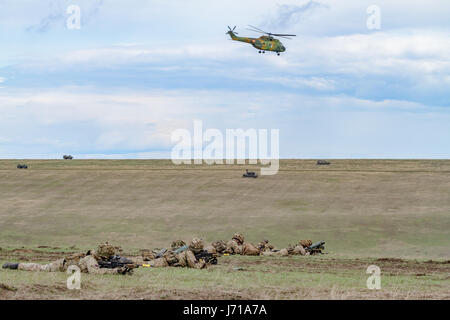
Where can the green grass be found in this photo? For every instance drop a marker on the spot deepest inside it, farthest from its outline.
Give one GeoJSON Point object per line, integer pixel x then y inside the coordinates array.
{"type": "Point", "coordinates": [275, 278]}
{"type": "Point", "coordinates": [148, 203]}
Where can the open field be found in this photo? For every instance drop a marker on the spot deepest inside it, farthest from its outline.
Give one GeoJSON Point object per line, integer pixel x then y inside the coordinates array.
{"type": "Point", "coordinates": [313, 277]}
{"type": "Point", "coordinates": [364, 209]}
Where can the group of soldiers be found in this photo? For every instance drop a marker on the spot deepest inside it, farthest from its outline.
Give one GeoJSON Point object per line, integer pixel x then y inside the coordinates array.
{"type": "Point", "coordinates": [237, 245]}
{"type": "Point", "coordinates": [106, 259]}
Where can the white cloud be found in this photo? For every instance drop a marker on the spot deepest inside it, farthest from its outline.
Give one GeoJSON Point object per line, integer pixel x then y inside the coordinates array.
{"type": "Point", "coordinates": [413, 51]}
{"type": "Point", "coordinates": [129, 55]}
{"type": "Point", "coordinates": [377, 53]}
{"type": "Point", "coordinates": [131, 120]}
{"type": "Point", "coordinates": [48, 122]}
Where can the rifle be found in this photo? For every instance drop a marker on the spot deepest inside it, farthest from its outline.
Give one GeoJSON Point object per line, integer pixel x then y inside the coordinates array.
{"type": "Point", "coordinates": [206, 256]}
{"type": "Point", "coordinates": [161, 253]}
{"type": "Point", "coordinates": [316, 247]}
{"type": "Point", "coordinates": [181, 249]}
{"type": "Point", "coordinates": [118, 262]}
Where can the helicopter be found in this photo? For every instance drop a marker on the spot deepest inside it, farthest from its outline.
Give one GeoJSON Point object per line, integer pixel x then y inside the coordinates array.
{"type": "Point", "coordinates": [263, 43]}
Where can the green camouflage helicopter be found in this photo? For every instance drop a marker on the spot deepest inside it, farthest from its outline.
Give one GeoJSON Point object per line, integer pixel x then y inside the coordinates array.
{"type": "Point", "coordinates": [263, 43]}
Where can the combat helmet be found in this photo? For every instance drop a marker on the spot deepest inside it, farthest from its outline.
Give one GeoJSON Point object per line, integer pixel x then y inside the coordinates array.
{"type": "Point", "coordinates": [238, 237]}
{"type": "Point", "coordinates": [219, 245]}
{"type": "Point", "coordinates": [106, 250]}
{"type": "Point", "coordinates": [196, 245]}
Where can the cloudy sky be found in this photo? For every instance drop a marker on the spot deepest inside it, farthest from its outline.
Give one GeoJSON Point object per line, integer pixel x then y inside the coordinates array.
{"type": "Point", "coordinates": [137, 70]}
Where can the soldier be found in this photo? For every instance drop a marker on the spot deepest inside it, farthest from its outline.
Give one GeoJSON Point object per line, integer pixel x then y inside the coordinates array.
{"type": "Point", "coordinates": [147, 255]}
{"type": "Point", "coordinates": [188, 257]}
{"type": "Point", "coordinates": [283, 252]}
{"type": "Point", "coordinates": [249, 249]}
{"type": "Point", "coordinates": [234, 246]}
{"type": "Point", "coordinates": [237, 246]}
{"type": "Point", "coordinates": [305, 243]}
{"type": "Point", "coordinates": [267, 249]}
{"type": "Point", "coordinates": [293, 250]}
{"type": "Point", "coordinates": [265, 246]}
{"type": "Point", "coordinates": [298, 249]}
{"type": "Point", "coordinates": [211, 249]}
{"type": "Point", "coordinates": [87, 262]}
{"type": "Point", "coordinates": [182, 258]}
{"type": "Point", "coordinates": [218, 247]}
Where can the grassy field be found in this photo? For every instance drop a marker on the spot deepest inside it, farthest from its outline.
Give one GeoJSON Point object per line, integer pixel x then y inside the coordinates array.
{"type": "Point", "coordinates": [238, 277]}
{"type": "Point", "coordinates": [364, 210]}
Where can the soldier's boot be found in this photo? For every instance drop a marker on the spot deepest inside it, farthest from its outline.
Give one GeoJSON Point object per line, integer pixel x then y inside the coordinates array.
{"type": "Point", "coordinates": [10, 265]}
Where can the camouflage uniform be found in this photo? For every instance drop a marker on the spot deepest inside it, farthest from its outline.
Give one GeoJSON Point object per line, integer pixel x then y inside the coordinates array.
{"type": "Point", "coordinates": [248, 249]}
{"type": "Point", "coordinates": [185, 258]}
{"type": "Point", "coordinates": [87, 262]}
{"type": "Point", "coordinates": [234, 246]}
{"type": "Point", "coordinates": [300, 247]}
{"type": "Point", "coordinates": [265, 246]}
{"type": "Point", "coordinates": [210, 249]}
{"type": "Point", "coordinates": [58, 265]}
{"type": "Point", "coordinates": [217, 247]}
{"type": "Point", "coordinates": [195, 246]}
{"type": "Point", "coordinates": [305, 243]}
{"type": "Point", "coordinates": [147, 254]}
{"type": "Point", "coordinates": [158, 262]}
{"type": "Point", "coordinates": [299, 250]}
{"type": "Point", "coordinates": [290, 250]}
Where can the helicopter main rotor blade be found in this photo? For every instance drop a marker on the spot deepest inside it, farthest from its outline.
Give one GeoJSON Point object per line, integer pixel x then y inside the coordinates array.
{"type": "Point", "coordinates": [258, 29]}
{"type": "Point", "coordinates": [283, 35]}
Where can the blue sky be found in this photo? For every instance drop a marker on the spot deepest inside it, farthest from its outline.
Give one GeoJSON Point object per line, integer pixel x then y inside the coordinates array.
{"type": "Point", "coordinates": [119, 86]}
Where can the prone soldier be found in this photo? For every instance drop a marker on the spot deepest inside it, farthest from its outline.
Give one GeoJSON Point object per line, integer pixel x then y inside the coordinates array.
{"type": "Point", "coordinates": [218, 247]}
{"type": "Point", "coordinates": [88, 262]}
{"type": "Point", "coordinates": [184, 256]}
{"type": "Point", "coordinates": [234, 246]}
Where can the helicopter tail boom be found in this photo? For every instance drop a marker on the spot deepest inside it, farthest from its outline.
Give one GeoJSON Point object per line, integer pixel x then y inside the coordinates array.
{"type": "Point", "coordinates": [232, 35]}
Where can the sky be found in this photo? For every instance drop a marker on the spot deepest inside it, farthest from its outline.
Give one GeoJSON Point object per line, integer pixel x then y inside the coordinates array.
{"type": "Point", "coordinates": [135, 71]}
